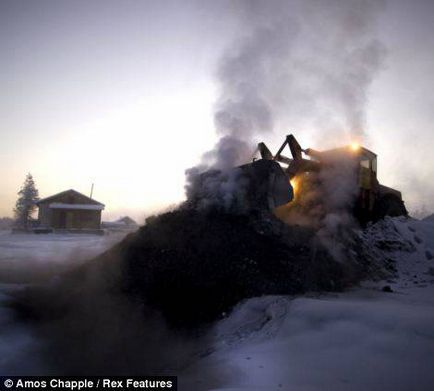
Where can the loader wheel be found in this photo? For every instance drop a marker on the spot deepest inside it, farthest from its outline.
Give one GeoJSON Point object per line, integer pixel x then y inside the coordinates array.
{"type": "Point", "coordinates": [389, 205]}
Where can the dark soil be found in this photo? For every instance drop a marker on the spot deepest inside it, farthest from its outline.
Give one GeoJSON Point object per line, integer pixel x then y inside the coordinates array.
{"type": "Point", "coordinates": [192, 266]}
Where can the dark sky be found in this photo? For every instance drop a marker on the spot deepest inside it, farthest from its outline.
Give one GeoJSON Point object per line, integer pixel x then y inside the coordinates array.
{"type": "Point", "coordinates": [97, 91]}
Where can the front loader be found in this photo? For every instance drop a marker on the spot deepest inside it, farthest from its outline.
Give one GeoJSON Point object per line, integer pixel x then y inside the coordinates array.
{"type": "Point", "coordinates": [373, 201]}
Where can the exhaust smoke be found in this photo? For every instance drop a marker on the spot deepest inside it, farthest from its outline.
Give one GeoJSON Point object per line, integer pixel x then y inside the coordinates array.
{"type": "Point", "coordinates": [304, 65]}
{"type": "Point", "coordinates": [299, 64]}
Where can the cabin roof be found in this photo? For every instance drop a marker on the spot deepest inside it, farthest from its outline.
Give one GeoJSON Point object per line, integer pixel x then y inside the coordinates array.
{"type": "Point", "coordinates": [72, 191]}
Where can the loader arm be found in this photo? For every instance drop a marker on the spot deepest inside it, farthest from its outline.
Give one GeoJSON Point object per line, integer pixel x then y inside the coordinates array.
{"type": "Point", "coordinates": [294, 146]}
{"type": "Point", "coordinates": [267, 155]}
{"type": "Point", "coordinates": [265, 152]}
{"type": "Point", "coordinates": [295, 165]}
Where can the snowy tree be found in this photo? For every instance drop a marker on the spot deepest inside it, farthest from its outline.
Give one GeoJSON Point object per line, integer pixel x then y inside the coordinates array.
{"type": "Point", "coordinates": [26, 202]}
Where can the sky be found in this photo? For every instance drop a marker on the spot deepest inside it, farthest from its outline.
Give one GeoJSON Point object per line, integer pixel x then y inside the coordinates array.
{"type": "Point", "coordinates": [122, 94]}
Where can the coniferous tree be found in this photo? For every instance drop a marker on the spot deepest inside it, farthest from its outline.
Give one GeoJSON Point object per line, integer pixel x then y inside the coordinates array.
{"type": "Point", "coordinates": [26, 202]}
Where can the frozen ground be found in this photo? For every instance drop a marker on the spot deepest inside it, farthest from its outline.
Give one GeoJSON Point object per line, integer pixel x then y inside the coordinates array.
{"type": "Point", "coordinates": [28, 258]}
{"type": "Point", "coordinates": [364, 339]}
{"type": "Point", "coordinates": [36, 259]}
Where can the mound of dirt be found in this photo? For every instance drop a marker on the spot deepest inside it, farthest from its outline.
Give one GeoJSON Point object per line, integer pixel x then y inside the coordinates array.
{"type": "Point", "coordinates": [192, 267]}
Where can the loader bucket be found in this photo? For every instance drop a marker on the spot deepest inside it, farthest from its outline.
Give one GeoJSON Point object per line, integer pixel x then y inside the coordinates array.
{"type": "Point", "coordinates": [267, 185]}
{"type": "Point", "coordinates": [258, 186]}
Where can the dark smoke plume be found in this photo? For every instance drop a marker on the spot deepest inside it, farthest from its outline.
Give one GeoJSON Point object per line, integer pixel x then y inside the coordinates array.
{"type": "Point", "coordinates": [304, 65]}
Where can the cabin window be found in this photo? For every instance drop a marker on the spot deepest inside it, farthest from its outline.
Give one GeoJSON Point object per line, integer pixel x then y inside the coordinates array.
{"type": "Point", "coordinates": [365, 163]}
{"type": "Point", "coordinates": [374, 164]}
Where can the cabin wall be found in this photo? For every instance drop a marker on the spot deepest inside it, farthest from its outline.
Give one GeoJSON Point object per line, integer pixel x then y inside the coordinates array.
{"type": "Point", "coordinates": [44, 215]}
{"type": "Point", "coordinates": [76, 219]}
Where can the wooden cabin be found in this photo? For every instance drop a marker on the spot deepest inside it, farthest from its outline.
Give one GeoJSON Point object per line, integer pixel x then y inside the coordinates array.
{"type": "Point", "coordinates": [69, 210]}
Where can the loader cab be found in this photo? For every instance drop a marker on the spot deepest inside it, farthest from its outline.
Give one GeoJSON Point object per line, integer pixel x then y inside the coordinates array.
{"type": "Point", "coordinates": [367, 182]}
{"type": "Point", "coordinates": [367, 175]}
{"type": "Point", "coordinates": [364, 159]}
{"type": "Point", "coordinates": [365, 166]}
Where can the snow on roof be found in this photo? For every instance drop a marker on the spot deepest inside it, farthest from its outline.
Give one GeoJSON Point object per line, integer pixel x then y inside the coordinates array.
{"type": "Point", "coordinates": [60, 205]}
{"type": "Point", "coordinates": [68, 191]}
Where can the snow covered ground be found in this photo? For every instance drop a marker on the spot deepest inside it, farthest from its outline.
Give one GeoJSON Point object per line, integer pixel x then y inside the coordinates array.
{"type": "Point", "coordinates": [379, 336]}
{"type": "Point", "coordinates": [364, 339]}
{"type": "Point", "coordinates": [28, 258]}
{"type": "Point", "coordinates": [31, 258]}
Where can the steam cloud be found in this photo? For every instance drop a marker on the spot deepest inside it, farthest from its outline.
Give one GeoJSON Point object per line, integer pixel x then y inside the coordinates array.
{"type": "Point", "coordinates": [303, 64]}
{"type": "Point", "coordinates": [300, 64]}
